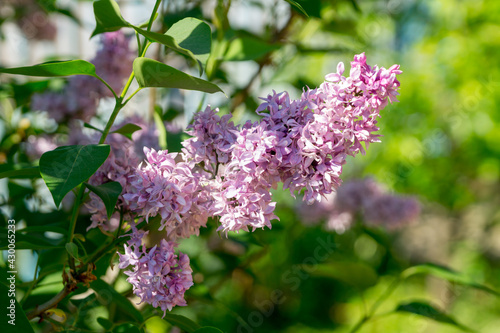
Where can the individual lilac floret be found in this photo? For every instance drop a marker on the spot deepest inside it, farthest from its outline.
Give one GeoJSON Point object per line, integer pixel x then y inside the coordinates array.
{"type": "Point", "coordinates": [365, 198]}
{"type": "Point", "coordinates": [168, 189]}
{"type": "Point", "coordinates": [158, 275]}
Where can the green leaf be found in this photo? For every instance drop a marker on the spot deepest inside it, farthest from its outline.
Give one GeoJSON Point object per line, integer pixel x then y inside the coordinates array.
{"type": "Point", "coordinates": [127, 130]}
{"type": "Point", "coordinates": [162, 131]}
{"type": "Point", "coordinates": [108, 17]}
{"type": "Point", "coordinates": [208, 329]}
{"type": "Point", "coordinates": [21, 322]}
{"type": "Point", "coordinates": [105, 323]}
{"type": "Point", "coordinates": [426, 310]}
{"type": "Point", "coordinates": [108, 294]}
{"type": "Point", "coordinates": [182, 322]}
{"type": "Point", "coordinates": [446, 274]}
{"type": "Point", "coordinates": [152, 73]}
{"type": "Point", "coordinates": [87, 125]}
{"type": "Point", "coordinates": [298, 6]}
{"type": "Point", "coordinates": [109, 193]}
{"type": "Point", "coordinates": [248, 48]}
{"type": "Point", "coordinates": [169, 42]}
{"type": "Point", "coordinates": [54, 68]}
{"type": "Point", "coordinates": [33, 172]}
{"type": "Point", "coordinates": [194, 35]}
{"type": "Point", "coordinates": [72, 249]}
{"type": "Point", "coordinates": [355, 274]}
{"type": "Point", "coordinates": [32, 242]}
{"type": "Point", "coordinates": [66, 167]}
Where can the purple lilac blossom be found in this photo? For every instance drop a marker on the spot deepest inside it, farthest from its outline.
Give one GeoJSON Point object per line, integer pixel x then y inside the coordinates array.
{"type": "Point", "coordinates": [80, 97]}
{"type": "Point", "coordinates": [119, 167]}
{"type": "Point", "coordinates": [158, 275]}
{"type": "Point", "coordinates": [301, 143]}
{"type": "Point", "coordinates": [162, 186]}
{"type": "Point", "coordinates": [365, 198]}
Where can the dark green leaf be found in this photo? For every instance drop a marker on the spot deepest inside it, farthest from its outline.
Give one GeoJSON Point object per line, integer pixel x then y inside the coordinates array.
{"type": "Point", "coordinates": [296, 5]}
{"type": "Point", "coordinates": [108, 17]}
{"type": "Point", "coordinates": [194, 35]}
{"type": "Point", "coordinates": [247, 48]}
{"type": "Point", "coordinates": [426, 310]}
{"type": "Point", "coordinates": [54, 68]}
{"type": "Point", "coordinates": [446, 274]}
{"type": "Point", "coordinates": [108, 294]}
{"type": "Point", "coordinates": [66, 167]}
{"type": "Point", "coordinates": [20, 323]}
{"type": "Point", "coordinates": [152, 73]}
{"type": "Point", "coordinates": [127, 130]}
{"type": "Point", "coordinates": [32, 242]}
{"type": "Point", "coordinates": [72, 250]}
{"type": "Point", "coordinates": [33, 172]}
{"type": "Point", "coordinates": [182, 322]}
{"type": "Point", "coordinates": [208, 329]}
{"type": "Point", "coordinates": [109, 193]}
{"type": "Point", "coordinates": [355, 274]}
{"type": "Point", "coordinates": [105, 323]}
{"type": "Point", "coordinates": [87, 125]}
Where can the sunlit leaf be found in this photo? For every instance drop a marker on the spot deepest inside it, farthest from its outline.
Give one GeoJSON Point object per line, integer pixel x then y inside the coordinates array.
{"type": "Point", "coordinates": [54, 69]}
{"type": "Point", "coordinates": [108, 17]}
{"type": "Point", "coordinates": [446, 274]}
{"type": "Point", "coordinates": [152, 73]}
{"type": "Point", "coordinates": [247, 48]}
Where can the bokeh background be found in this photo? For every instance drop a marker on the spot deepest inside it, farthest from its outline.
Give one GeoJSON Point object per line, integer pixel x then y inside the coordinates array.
{"type": "Point", "coordinates": [440, 145]}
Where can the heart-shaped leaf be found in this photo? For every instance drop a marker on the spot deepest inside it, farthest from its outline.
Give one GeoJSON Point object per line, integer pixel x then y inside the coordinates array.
{"type": "Point", "coordinates": [109, 193]}
{"type": "Point", "coordinates": [152, 73]}
{"type": "Point", "coordinates": [66, 167]}
{"type": "Point", "coordinates": [194, 35]}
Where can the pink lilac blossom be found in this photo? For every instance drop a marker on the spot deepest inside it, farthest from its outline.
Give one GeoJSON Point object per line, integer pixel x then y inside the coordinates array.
{"type": "Point", "coordinates": [80, 97]}
{"type": "Point", "coordinates": [301, 143]}
{"type": "Point", "coordinates": [164, 187]}
{"type": "Point", "coordinates": [365, 198]}
{"type": "Point", "coordinates": [119, 167]}
{"type": "Point", "coordinates": [158, 275]}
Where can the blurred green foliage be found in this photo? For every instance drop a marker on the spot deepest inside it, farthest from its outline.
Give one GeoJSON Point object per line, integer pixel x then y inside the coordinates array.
{"type": "Point", "coordinates": [439, 142]}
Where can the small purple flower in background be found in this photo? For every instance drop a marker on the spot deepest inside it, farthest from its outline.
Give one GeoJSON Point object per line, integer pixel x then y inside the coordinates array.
{"type": "Point", "coordinates": [158, 275]}
{"type": "Point", "coordinates": [80, 97]}
{"type": "Point", "coordinates": [365, 198]}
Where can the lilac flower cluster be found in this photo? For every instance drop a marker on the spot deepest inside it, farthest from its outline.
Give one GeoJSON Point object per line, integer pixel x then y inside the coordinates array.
{"type": "Point", "coordinates": [366, 198]}
{"type": "Point", "coordinates": [159, 276]}
{"type": "Point", "coordinates": [301, 143]}
{"type": "Point", "coordinates": [80, 97]}
{"type": "Point", "coordinates": [119, 167]}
